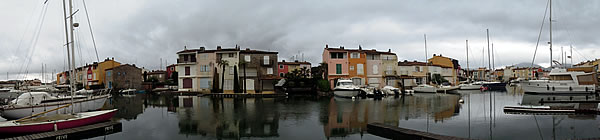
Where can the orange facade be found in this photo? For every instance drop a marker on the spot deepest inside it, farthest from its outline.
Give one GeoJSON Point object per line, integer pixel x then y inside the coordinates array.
{"type": "Point", "coordinates": [357, 62]}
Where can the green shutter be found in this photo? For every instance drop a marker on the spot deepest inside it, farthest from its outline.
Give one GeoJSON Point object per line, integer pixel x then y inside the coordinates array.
{"type": "Point", "coordinates": [338, 68]}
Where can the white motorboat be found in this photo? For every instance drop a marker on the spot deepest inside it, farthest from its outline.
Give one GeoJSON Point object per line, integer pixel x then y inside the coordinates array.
{"type": "Point", "coordinates": [30, 103]}
{"type": "Point", "coordinates": [423, 88]}
{"type": "Point", "coordinates": [389, 90]}
{"type": "Point", "coordinates": [84, 91]}
{"type": "Point", "coordinates": [471, 86]}
{"type": "Point", "coordinates": [345, 88]}
{"type": "Point", "coordinates": [4, 90]}
{"type": "Point", "coordinates": [448, 89]}
{"type": "Point", "coordinates": [562, 82]}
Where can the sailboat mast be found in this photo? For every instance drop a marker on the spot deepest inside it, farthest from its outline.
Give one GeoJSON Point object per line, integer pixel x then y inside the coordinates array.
{"type": "Point", "coordinates": [72, 52]}
{"type": "Point", "coordinates": [467, 46]}
{"type": "Point", "coordinates": [487, 31]}
{"type": "Point", "coordinates": [426, 61]}
{"type": "Point", "coordinates": [571, 57]}
{"type": "Point", "coordinates": [550, 33]}
{"type": "Point", "coordinates": [493, 58]}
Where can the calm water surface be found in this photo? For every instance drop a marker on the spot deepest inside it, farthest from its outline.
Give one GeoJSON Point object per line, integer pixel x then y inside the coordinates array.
{"type": "Point", "coordinates": [147, 116]}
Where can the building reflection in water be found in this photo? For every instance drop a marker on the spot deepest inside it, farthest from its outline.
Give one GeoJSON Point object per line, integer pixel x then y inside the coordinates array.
{"type": "Point", "coordinates": [129, 106]}
{"type": "Point", "coordinates": [227, 118]}
{"type": "Point", "coordinates": [347, 116]}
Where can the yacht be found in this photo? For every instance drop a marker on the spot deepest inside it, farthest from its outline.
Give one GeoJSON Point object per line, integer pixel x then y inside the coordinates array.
{"type": "Point", "coordinates": [345, 88]}
{"type": "Point", "coordinates": [562, 82]}
{"type": "Point", "coordinates": [389, 90]}
{"type": "Point", "coordinates": [30, 103]}
{"type": "Point", "coordinates": [471, 86]}
{"type": "Point", "coordinates": [423, 88]}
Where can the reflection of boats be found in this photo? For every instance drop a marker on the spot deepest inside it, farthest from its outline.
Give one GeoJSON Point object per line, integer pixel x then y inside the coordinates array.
{"type": "Point", "coordinates": [31, 103]}
{"type": "Point", "coordinates": [345, 88]}
{"type": "Point", "coordinates": [55, 122]}
{"type": "Point", "coordinates": [423, 88]}
{"type": "Point", "coordinates": [471, 86]}
{"type": "Point", "coordinates": [562, 82]}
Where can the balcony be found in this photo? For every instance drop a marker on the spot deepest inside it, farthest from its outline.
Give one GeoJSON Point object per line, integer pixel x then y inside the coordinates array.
{"type": "Point", "coordinates": [390, 72]}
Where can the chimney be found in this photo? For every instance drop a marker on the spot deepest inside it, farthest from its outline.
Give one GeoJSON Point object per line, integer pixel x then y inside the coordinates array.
{"type": "Point", "coordinates": [326, 46]}
{"type": "Point", "coordinates": [342, 47]}
{"type": "Point", "coordinates": [296, 61]}
{"type": "Point", "coordinates": [389, 50]}
{"type": "Point", "coordinates": [282, 60]}
{"type": "Point", "coordinates": [184, 47]}
{"type": "Point", "coordinates": [113, 58]}
{"type": "Point", "coordinates": [201, 48]}
{"type": "Point", "coordinates": [434, 54]}
{"type": "Point", "coordinates": [359, 47]}
{"type": "Point", "coordinates": [247, 49]}
{"type": "Point", "coordinates": [218, 47]}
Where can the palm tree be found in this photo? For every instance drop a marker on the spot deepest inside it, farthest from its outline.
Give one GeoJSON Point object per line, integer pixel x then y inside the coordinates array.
{"type": "Point", "coordinates": [222, 63]}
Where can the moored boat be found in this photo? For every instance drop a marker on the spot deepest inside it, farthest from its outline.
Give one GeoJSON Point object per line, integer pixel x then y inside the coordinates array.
{"type": "Point", "coordinates": [30, 103]}
{"type": "Point", "coordinates": [470, 86]}
{"type": "Point", "coordinates": [562, 82]}
{"type": "Point", "coordinates": [423, 88]}
{"type": "Point", "coordinates": [55, 122]}
{"type": "Point", "coordinates": [345, 88]}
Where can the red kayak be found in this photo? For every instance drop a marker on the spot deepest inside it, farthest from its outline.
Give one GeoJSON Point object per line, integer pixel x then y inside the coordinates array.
{"type": "Point", "coordinates": [55, 122]}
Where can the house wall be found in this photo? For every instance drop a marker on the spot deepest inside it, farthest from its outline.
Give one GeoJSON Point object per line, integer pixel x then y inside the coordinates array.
{"type": "Point", "coordinates": [354, 64]}
{"type": "Point", "coordinates": [374, 71]}
{"type": "Point", "coordinates": [233, 61]}
{"type": "Point", "coordinates": [331, 66]}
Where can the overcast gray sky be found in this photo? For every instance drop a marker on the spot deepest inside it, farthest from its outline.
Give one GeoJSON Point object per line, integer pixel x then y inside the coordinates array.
{"type": "Point", "coordinates": [142, 32]}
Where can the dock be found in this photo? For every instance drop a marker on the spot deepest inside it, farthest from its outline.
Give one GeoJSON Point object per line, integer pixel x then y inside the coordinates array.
{"type": "Point", "coordinates": [397, 133]}
{"type": "Point", "coordinates": [236, 95]}
{"type": "Point", "coordinates": [84, 132]}
{"type": "Point", "coordinates": [547, 110]}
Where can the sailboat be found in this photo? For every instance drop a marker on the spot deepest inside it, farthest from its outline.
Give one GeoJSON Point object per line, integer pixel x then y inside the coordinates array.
{"type": "Point", "coordinates": [425, 88]}
{"type": "Point", "coordinates": [46, 121]}
{"type": "Point", "coordinates": [560, 80]}
{"type": "Point", "coordinates": [469, 85]}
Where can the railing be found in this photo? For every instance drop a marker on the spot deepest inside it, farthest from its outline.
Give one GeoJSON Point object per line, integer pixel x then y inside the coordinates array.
{"type": "Point", "coordinates": [390, 72]}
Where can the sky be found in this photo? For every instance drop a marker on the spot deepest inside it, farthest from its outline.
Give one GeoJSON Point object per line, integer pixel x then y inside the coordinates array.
{"type": "Point", "coordinates": [144, 32]}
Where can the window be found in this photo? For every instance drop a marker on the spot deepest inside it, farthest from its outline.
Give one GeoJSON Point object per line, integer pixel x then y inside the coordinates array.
{"type": "Point", "coordinates": [338, 68]}
{"type": "Point", "coordinates": [280, 66]}
{"type": "Point", "coordinates": [281, 74]}
{"type": "Point", "coordinates": [355, 55]}
{"type": "Point", "coordinates": [108, 73]}
{"type": "Point", "coordinates": [187, 70]}
{"type": "Point", "coordinates": [356, 81]}
{"type": "Point", "coordinates": [204, 68]}
{"type": "Point", "coordinates": [351, 68]}
{"type": "Point", "coordinates": [187, 83]}
{"type": "Point", "coordinates": [185, 58]}
{"type": "Point", "coordinates": [94, 77]}
{"type": "Point", "coordinates": [247, 58]}
{"type": "Point", "coordinates": [230, 55]}
{"type": "Point", "coordinates": [417, 69]}
{"type": "Point", "coordinates": [375, 69]}
{"type": "Point", "coordinates": [89, 76]}
{"type": "Point", "coordinates": [266, 60]}
{"type": "Point", "coordinates": [193, 58]}
{"type": "Point", "coordinates": [336, 55]}
{"type": "Point", "coordinates": [360, 69]}
{"type": "Point", "coordinates": [231, 70]}
{"type": "Point", "coordinates": [269, 70]}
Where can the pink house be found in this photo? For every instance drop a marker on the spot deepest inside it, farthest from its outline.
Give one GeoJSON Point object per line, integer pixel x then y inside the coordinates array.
{"type": "Point", "coordinates": [337, 64]}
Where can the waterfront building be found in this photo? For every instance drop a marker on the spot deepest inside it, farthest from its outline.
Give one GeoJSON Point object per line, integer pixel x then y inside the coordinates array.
{"type": "Point", "coordinates": [204, 70]}
{"type": "Point", "coordinates": [481, 74]}
{"type": "Point", "coordinates": [363, 67]}
{"type": "Point", "coordinates": [170, 69]}
{"type": "Point", "coordinates": [159, 75]}
{"type": "Point", "coordinates": [259, 68]}
{"type": "Point", "coordinates": [90, 76]}
{"type": "Point", "coordinates": [508, 74]}
{"type": "Point", "coordinates": [528, 73]}
{"type": "Point", "coordinates": [123, 77]}
{"type": "Point", "coordinates": [450, 67]}
{"type": "Point", "coordinates": [499, 74]}
{"type": "Point", "coordinates": [412, 73]}
{"type": "Point", "coordinates": [285, 67]}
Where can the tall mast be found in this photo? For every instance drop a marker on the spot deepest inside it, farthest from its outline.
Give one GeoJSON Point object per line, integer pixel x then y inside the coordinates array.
{"type": "Point", "coordinates": [571, 57]}
{"type": "Point", "coordinates": [493, 58]}
{"type": "Point", "coordinates": [426, 61]}
{"type": "Point", "coordinates": [467, 46]}
{"type": "Point", "coordinates": [562, 57]}
{"type": "Point", "coordinates": [550, 33]}
{"type": "Point", "coordinates": [487, 31]}
{"type": "Point", "coordinates": [72, 52]}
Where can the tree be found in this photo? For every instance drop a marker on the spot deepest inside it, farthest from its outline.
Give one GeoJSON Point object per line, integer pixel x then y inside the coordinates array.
{"type": "Point", "coordinates": [243, 63]}
{"type": "Point", "coordinates": [236, 81]}
{"type": "Point", "coordinates": [215, 85]}
{"type": "Point", "coordinates": [222, 63]}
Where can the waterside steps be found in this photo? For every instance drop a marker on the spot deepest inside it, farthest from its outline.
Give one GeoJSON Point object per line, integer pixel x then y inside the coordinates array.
{"type": "Point", "coordinates": [397, 133]}
{"type": "Point", "coordinates": [84, 132]}
{"type": "Point", "coordinates": [241, 95]}
{"type": "Point", "coordinates": [546, 110]}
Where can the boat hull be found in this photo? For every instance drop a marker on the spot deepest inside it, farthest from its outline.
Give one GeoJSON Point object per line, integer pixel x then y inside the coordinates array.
{"type": "Point", "coordinates": [425, 89]}
{"type": "Point", "coordinates": [63, 124]}
{"type": "Point", "coordinates": [346, 93]}
{"type": "Point", "coordinates": [470, 87]}
{"type": "Point", "coordinates": [497, 86]}
{"type": "Point", "coordinates": [80, 105]}
{"type": "Point", "coordinates": [548, 88]}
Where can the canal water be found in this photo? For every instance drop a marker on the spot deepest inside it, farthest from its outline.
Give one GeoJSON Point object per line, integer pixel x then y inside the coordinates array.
{"type": "Point", "coordinates": [470, 114]}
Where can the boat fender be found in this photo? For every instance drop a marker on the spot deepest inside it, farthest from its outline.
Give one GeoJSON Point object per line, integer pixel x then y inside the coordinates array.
{"type": "Point", "coordinates": [547, 87]}
{"type": "Point", "coordinates": [55, 127]}
{"type": "Point", "coordinates": [586, 89]}
{"type": "Point", "coordinates": [553, 89]}
{"type": "Point", "coordinates": [570, 88]}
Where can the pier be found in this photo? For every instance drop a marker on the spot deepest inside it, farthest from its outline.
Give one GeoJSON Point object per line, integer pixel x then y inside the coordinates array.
{"type": "Point", "coordinates": [396, 133]}
{"type": "Point", "coordinates": [548, 110]}
{"type": "Point", "coordinates": [84, 132]}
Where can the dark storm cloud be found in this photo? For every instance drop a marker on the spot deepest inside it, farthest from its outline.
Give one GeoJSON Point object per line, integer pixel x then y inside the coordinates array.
{"type": "Point", "coordinates": [142, 32]}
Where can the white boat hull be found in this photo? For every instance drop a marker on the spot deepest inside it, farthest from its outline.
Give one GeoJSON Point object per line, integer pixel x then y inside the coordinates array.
{"type": "Point", "coordinates": [79, 105]}
{"type": "Point", "coordinates": [346, 93]}
{"type": "Point", "coordinates": [425, 89]}
{"type": "Point", "coordinates": [556, 88]}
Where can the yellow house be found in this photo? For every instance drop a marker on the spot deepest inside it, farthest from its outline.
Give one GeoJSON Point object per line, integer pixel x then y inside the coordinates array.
{"type": "Point", "coordinates": [98, 72]}
{"type": "Point", "coordinates": [448, 63]}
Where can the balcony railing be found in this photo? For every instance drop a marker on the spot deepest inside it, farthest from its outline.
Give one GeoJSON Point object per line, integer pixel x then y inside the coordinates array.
{"type": "Point", "coordinates": [390, 72]}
